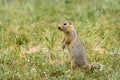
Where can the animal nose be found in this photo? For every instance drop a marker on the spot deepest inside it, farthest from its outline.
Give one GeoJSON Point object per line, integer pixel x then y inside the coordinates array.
{"type": "Point", "coordinates": [59, 27]}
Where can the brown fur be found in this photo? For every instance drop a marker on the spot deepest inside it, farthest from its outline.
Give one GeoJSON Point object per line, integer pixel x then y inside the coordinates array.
{"type": "Point", "coordinates": [74, 46]}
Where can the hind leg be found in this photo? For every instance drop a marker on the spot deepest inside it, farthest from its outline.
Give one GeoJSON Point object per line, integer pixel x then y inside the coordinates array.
{"type": "Point", "coordinates": [88, 66]}
{"type": "Point", "coordinates": [74, 65]}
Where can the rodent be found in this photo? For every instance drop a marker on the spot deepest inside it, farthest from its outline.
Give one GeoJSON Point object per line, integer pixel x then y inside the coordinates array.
{"type": "Point", "coordinates": [75, 47]}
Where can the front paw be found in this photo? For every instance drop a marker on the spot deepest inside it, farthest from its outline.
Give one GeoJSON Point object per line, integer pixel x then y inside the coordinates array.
{"type": "Point", "coordinates": [63, 46]}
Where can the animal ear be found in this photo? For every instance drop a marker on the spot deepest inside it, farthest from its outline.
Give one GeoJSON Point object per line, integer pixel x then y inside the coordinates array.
{"type": "Point", "coordinates": [70, 23]}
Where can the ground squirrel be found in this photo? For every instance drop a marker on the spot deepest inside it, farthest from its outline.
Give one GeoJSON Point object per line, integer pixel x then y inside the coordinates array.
{"type": "Point", "coordinates": [74, 45]}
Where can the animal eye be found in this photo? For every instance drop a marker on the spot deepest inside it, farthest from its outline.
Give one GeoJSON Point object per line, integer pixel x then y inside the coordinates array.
{"type": "Point", "coordinates": [64, 24]}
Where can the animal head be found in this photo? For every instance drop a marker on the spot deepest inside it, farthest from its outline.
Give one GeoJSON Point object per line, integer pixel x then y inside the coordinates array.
{"type": "Point", "coordinates": [65, 26]}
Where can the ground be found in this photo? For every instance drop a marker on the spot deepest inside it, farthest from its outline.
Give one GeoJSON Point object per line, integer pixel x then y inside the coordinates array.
{"type": "Point", "coordinates": [30, 43]}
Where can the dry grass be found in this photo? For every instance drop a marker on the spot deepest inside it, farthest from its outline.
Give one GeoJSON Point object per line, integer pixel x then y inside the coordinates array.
{"type": "Point", "coordinates": [30, 43]}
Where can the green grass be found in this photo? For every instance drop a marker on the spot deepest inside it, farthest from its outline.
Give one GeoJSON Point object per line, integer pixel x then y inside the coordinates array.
{"type": "Point", "coordinates": [29, 23]}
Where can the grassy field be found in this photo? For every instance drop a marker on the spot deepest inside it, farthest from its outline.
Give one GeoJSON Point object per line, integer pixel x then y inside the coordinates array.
{"type": "Point", "coordinates": [30, 43]}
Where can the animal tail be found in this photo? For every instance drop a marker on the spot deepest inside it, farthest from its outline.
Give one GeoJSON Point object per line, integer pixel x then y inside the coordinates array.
{"type": "Point", "coordinates": [96, 65]}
